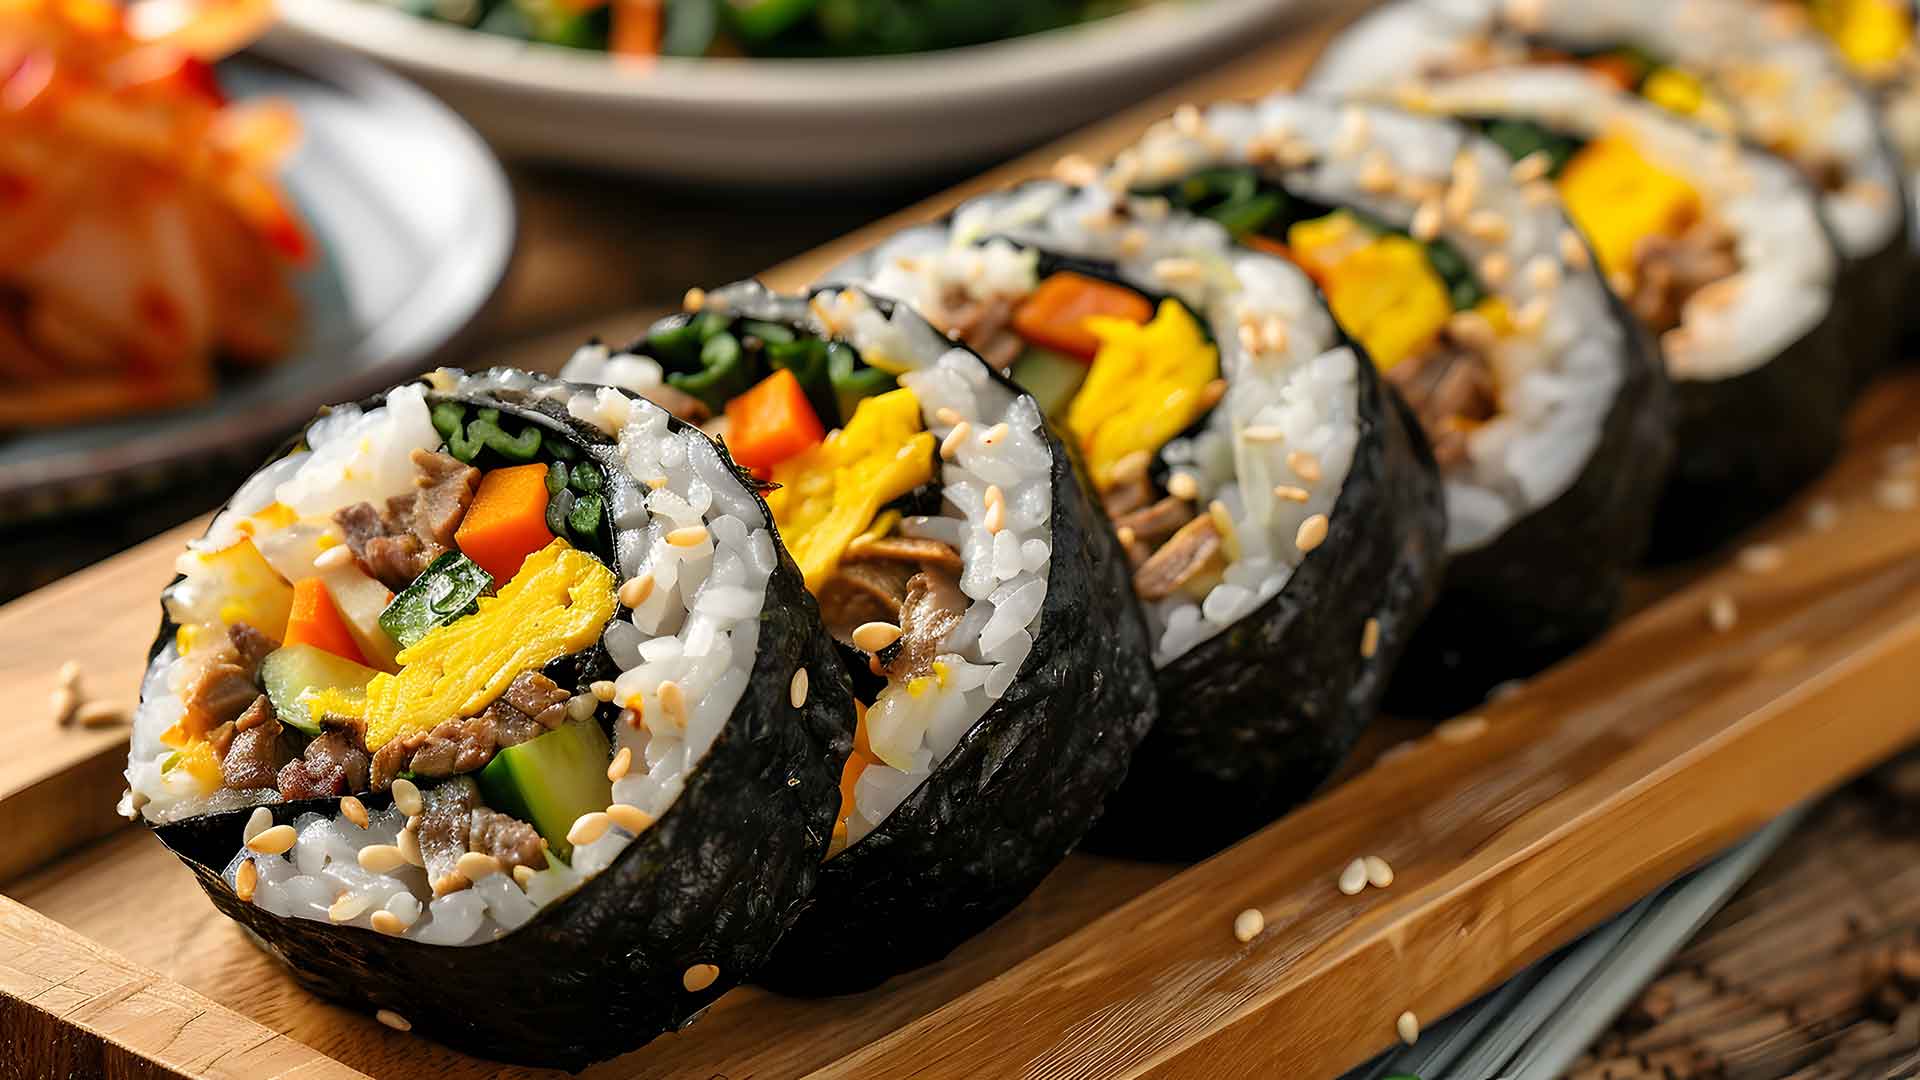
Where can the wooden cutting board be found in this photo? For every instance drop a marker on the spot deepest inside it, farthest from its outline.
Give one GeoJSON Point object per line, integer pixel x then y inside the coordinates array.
{"type": "Point", "coordinates": [1509, 832]}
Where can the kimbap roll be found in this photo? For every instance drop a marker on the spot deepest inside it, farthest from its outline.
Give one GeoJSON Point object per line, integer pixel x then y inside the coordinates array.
{"type": "Point", "coordinates": [1717, 248]}
{"type": "Point", "coordinates": [981, 607]}
{"type": "Point", "coordinates": [1281, 516]}
{"type": "Point", "coordinates": [495, 702]}
{"type": "Point", "coordinates": [1749, 70]}
{"type": "Point", "coordinates": [1545, 405]}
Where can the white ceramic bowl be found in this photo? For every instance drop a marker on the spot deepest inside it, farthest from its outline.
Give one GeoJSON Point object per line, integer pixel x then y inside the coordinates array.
{"type": "Point", "coordinates": [792, 122]}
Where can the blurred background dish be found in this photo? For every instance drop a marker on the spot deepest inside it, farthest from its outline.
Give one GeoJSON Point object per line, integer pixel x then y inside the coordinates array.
{"type": "Point", "coordinates": [797, 122]}
{"type": "Point", "coordinates": [411, 225]}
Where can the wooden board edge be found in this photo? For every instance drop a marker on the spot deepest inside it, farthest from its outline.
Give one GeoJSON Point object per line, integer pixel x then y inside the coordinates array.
{"type": "Point", "coordinates": [71, 1008]}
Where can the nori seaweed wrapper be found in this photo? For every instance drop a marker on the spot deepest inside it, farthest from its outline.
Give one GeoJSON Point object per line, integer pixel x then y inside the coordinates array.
{"type": "Point", "coordinates": [1258, 716]}
{"type": "Point", "coordinates": [1015, 794]}
{"type": "Point", "coordinates": [1552, 580]}
{"type": "Point", "coordinates": [715, 881]}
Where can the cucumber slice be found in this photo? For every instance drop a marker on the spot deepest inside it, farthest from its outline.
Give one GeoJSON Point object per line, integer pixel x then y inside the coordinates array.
{"type": "Point", "coordinates": [448, 588]}
{"type": "Point", "coordinates": [1051, 378]}
{"type": "Point", "coordinates": [294, 674]}
{"type": "Point", "coordinates": [550, 781]}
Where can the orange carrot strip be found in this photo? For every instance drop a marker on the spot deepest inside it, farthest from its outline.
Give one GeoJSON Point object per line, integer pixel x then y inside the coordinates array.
{"type": "Point", "coordinates": [507, 520]}
{"type": "Point", "coordinates": [314, 620]}
{"type": "Point", "coordinates": [1055, 315]}
{"type": "Point", "coordinates": [771, 422]}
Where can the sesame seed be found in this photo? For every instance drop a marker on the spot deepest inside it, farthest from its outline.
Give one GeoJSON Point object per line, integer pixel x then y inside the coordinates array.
{"type": "Point", "coordinates": [1539, 194]}
{"type": "Point", "coordinates": [1531, 167]}
{"type": "Point", "coordinates": [1248, 924]}
{"type": "Point", "coordinates": [1290, 493]}
{"type": "Point", "coordinates": [656, 482]}
{"type": "Point", "coordinates": [1263, 433]}
{"type": "Point", "coordinates": [1377, 174]}
{"type": "Point", "coordinates": [1249, 338]}
{"type": "Point", "coordinates": [275, 841]}
{"type": "Point", "coordinates": [622, 762]}
{"type": "Point", "coordinates": [1470, 328]}
{"type": "Point", "coordinates": [1273, 333]}
{"type": "Point", "coordinates": [946, 415]}
{"type": "Point", "coordinates": [588, 827]}
{"type": "Point", "coordinates": [689, 536]}
{"type": "Point", "coordinates": [406, 797]}
{"type": "Point", "coordinates": [1076, 170]}
{"type": "Point", "coordinates": [245, 880]}
{"type": "Point", "coordinates": [1761, 558]}
{"type": "Point", "coordinates": [699, 977]}
{"type": "Point", "coordinates": [355, 811]}
{"type": "Point", "coordinates": [386, 922]}
{"type": "Point", "coordinates": [1133, 242]}
{"type": "Point", "coordinates": [1891, 494]}
{"type": "Point", "coordinates": [693, 299]}
{"type": "Point", "coordinates": [1495, 267]}
{"type": "Point", "coordinates": [1543, 273]}
{"type": "Point", "coordinates": [1353, 878]}
{"type": "Point", "coordinates": [1461, 729]}
{"type": "Point", "coordinates": [334, 558]}
{"type": "Point", "coordinates": [1174, 270]}
{"type": "Point", "coordinates": [523, 876]}
{"type": "Point", "coordinates": [382, 858]}
{"type": "Point", "coordinates": [1304, 465]}
{"type": "Point", "coordinates": [1722, 613]}
{"type": "Point", "coordinates": [393, 1020]}
{"type": "Point", "coordinates": [635, 590]}
{"type": "Point", "coordinates": [950, 446]}
{"type": "Point", "coordinates": [1126, 535]}
{"type": "Point", "coordinates": [673, 702]}
{"type": "Point", "coordinates": [99, 714]}
{"type": "Point", "coordinates": [996, 509]}
{"type": "Point", "coordinates": [1182, 485]}
{"type": "Point", "coordinates": [1409, 1027]}
{"type": "Point", "coordinates": [580, 706]}
{"type": "Point", "coordinates": [993, 435]}
{"type": "Point", "coordinates": [475, 865]}
{"type": "Point", "coordinates": [797, 689]}
{"type": "Point", "coordinates": [1573, 251]}
{"type": "Point", "coordinates": [1352, 135]}
{"type": "Point", "coordinates": [1621, 283]}
{"type": "Point", "coordinates": [874, 636]}
{"type": "Point", "coordinates": [631, 818]}
{"type": "Point", "coordinates": [1370, 638]}
{"type": "Point", "coordinates": [1379, 874]}
{"type": "Point", "coordinates": [69, 674]}
{"type": "Point", "coordinates": [348, 906]}
{"type": "Point", "coordinates": [1823, 515]}
{"type": "Point", "coordinates": [409, 845]}
{"type": "Point", "coordinates": [1427, 219]}
{"type": "Point", "coordinates": [1532, 316]}
{"type": "Point", "coordinates": [1488, 225]}
{"type": "Point", "coordinates": [63, 702]}
{"type": "Point", "coordinates": [453, 882]}
{"type": "Point", "coordinates": [1312, 533]}
{"type": "Point", "coordinates": [601, 689]}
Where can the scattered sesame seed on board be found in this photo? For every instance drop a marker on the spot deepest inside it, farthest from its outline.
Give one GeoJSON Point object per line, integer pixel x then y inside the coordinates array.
{"type": "Point", "coordinates": [1822, 515]}
{"type": "Point", "coordinates": [393, 1020]}
{"type": "Point", "coordinates": [699, 977]}
{"type": "Point", "coordinates": [1379, 874]}
{"type": "Point", "coordinates": [1312, 533]}
{"type": "Point", "coordinates": [797, 689]}
{"type": "Point", "coordinates": [275, 841]}
{"type": "Point", "coordinates": [99, 714]}
{"type": "Point", "coordinates": [1722, 613]}
{"type": "Point", "coordinates": [355, 811]}
{"type": "Point", "coordinates": [1892, 494]}
{"type": "Point", "coordinates": [64, 703]}
{"type": "Point", "coordinates": [1353, 878]}
{"type": "Point", "coordinates": [1461, 729]}
{"type": "Point", "coordinates": [69, 674]}
{"type": "Point", "coordinates": [1248, 924]}
{"type": "Point", "coordinates": [246, 879]}
{"type": "Point", "coordinates": [1408, 1027]}
{"type": "Point", "coordinates": [1762, 558]}
{"type": "Point", "coordinates": [406, 797]}
{"type": "Point", "coordinates": [1370, 638]}
{"type": "Point", "coordinates": [622, 762]}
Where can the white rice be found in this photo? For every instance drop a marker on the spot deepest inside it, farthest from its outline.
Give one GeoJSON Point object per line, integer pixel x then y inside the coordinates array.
{"type": "Point", "coordinates": [1785, 85]}
{"type": "Point", "coordinates": [699, 627]}
{"type": "Point", "coordinates": [1004, 573]}
{"type": "Point", "coordinates": [1306, 387]}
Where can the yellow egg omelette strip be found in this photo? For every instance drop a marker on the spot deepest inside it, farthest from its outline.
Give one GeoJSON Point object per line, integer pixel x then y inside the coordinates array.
{"type": "Point", "coordinates": [1147, 384]}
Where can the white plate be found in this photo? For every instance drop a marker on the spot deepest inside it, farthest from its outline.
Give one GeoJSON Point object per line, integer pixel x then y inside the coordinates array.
{"type": "Point", "coordinates": [413, 225]}
{"type": "Point", "coordinates": [788, 122]}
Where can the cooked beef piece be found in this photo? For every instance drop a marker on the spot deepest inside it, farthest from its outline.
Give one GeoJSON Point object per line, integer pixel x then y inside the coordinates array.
{"type": "Point", "coordinates": [906, 549]}
{"type": "Point", "coordinates": [1152, 525]}
{"type": "Point", "coordinates": [395, 544]}
{"type": "Point", "coordinates": [1191, 552]}
{"type": "Point", "coordinates": [251, 646]}
{"type": "Point", "coordinates": [219, 694]}
{"type": "Point", "coordinates": [455, 746]}
{"type": "Point", "coordinates": [1450, 386]}
{"type": "Point", "coordinates": [446, 817]}
{"type": "Point", "coordinates": [221, 738]}
{"type": "Point", "coordinates": [863, 592]}
{"type": "Point", "coordinates": [332, 764]}
{"type": "Point", "coordinates": [539, 697]}
{"type": "Point", "coordinates": [986, 325]}
{"type": "Point", "coordinates": [391, 760]}
{"type": "Point", "coordinates": [254, 756]}
{"type": "Point", "coordinates": [1127, 494]}
{"type": "Point", "coordinates": [512, 841]}
{"type": "Point", "coordinates": [933, 607]}
{"type": "Point", "coordinates": [1668, 270]}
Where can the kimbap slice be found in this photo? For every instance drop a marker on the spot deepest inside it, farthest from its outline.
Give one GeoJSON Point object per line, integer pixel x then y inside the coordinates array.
{"type": "Point", "coordinates": [1545, 405]}
{"type": "Point", "coordinates": [1282, 517]}
{"type": "Point", "coordinates": [998, 663]}
{"type": "Point", "coordinates": [1753, 72]}
{"type": "Point", "coordinates": [1717, 248]}
{"type": "Point", "coordinates": [490, 695]}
